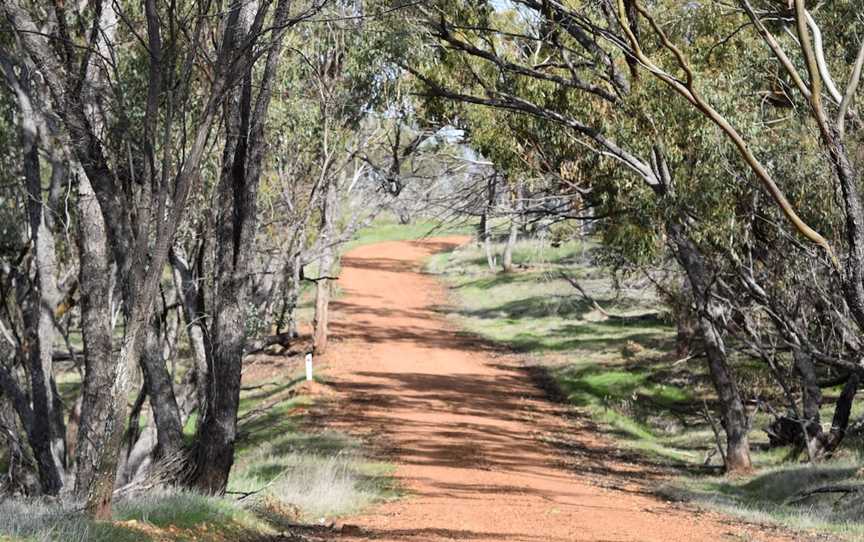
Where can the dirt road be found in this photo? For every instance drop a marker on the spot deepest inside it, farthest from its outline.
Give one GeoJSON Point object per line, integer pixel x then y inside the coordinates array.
{"type": "Point", "coordinates": [463, 424]}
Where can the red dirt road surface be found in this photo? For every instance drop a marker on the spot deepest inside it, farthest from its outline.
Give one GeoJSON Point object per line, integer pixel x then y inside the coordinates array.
{"type": "Point", "coordinates": [465, 425]}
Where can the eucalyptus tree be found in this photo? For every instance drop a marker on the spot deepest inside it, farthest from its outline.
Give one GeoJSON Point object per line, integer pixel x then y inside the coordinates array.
{"type": "Point", "coordinates": [39, 292]}
{"type": "Point", "coordinates": [809, 57]}
{"type": "Point", "coordinates": [142, 160]}
{"type": "Point", "coordinates": [341, 90]}
{"type": "Point", "coordinates": [245, 113]}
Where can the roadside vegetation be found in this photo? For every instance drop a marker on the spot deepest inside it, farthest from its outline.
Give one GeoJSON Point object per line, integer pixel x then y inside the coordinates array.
{"type": "Point", "coordinates": [613, 357]}
{"type": "Point", "coordinates": [287, 474]}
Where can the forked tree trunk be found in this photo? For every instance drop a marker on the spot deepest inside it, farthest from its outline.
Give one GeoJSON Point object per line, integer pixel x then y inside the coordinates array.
{"type": "Point", "coordinates": [191, 303]}
{"type": "Point", "coordinates": [139, 223]}
{"type": "Point", "coordinates": [242, 163]}
{"type": "Point", "coordinates": [224, 341]}
{"type": "Point", "coordinates": [840, 421]}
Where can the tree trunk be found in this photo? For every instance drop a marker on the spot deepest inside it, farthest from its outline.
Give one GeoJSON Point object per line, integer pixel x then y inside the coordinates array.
{"type": "Point", "coordinates": [160, 390]}
{"type": "Point", "coordinates": [842, 411]}
{"type": "Point", "coordinates": [192, 307]}
{"type": "Point", "coordinates": [513, 234]}
{"type": "Point", "coordinates": [242, 163]}
{"type": "Point", "coordinates": [287, 320]}
{"type": "Point", "coordinates": [811, 396]}
{"type": "Point", "coordinates": [736, 421]}
{"type": "Point", "coordinates": [685, 322]}
{"type": "Point", "coordinates": [485, 228]}
{"type": "Point", "coordinates": [507, 258]}
{"type": "Point", "coordinates": [22, 476]}
{"type": "Point", "coordinates": [142, 209]}
{"type": "Point", "coordinates": [321, 320]}
{"type": "Point", "coordinates": [48, 431]}
{"type": "Point", "coordinates": [224, 341]}
{"type": "Point", "coordinates": [103, 409]}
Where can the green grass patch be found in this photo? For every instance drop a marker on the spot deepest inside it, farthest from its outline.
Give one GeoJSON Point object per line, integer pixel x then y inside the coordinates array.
{"type": "Point", "coordinates": [389, 229]}
{"type": "Point", "coordinates": [186, 510]}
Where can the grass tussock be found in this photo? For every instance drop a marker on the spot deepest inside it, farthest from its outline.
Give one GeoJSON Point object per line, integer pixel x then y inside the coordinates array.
{"type": "Point", "coordinates": [160, 515]}
{"type": "Point", "coordinates": [313, 476]}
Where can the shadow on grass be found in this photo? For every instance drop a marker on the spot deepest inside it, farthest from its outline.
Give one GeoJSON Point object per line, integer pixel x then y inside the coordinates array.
{"type": "Point", "coordinates": [783, 495]}
{"type": "Point", "coordinates": [531, 343]}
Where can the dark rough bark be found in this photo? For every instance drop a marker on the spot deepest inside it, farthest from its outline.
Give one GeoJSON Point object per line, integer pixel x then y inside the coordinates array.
{"type": "Point", "coordinates": [160, 389]}
{"type": "Point", "coordinates": [786, 431]}
{"type": "Point", "coordinates": [849, 181]}
{"type": "Point", "coordinates": [811, 393]}
{"type": "Point", "coordinates": [21, 476]}
{"type": "Point", "coordinates": [242, 163]}
{"type": "Point", "coordinates": [47, 436]}
{"type": "Point", "coordinates": [842, 411]}
{"type": "Point", "coordinates": [142, 209]}
{"type": "Point", "coordinates": [736, 421]}
{"type": "Point", "coordinates": [224, 343]}
{"type": "Point", "coordinates": [102, 410]}
{"type": "Point", "coordinates": [37, 293]}
{"type": "Point", "coordinates": [287, 319]}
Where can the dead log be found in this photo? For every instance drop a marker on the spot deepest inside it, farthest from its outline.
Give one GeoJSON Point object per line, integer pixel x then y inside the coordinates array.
{"type": "Point", "coordinates": [262, 343]}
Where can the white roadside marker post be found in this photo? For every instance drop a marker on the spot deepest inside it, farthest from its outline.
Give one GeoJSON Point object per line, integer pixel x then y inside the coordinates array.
{"type": "Point", "coordinates": [309, 367]}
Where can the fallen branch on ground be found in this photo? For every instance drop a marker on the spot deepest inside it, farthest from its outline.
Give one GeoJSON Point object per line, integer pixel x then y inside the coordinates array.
{"type": "Point", "coordinates": [318, 279]}
{"type": "Point", "coordinates": [827, 489]}
{"type": "Point", "coordinates": [257, 345]}
{"type": "Point", "coordinates": [575, 284]}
